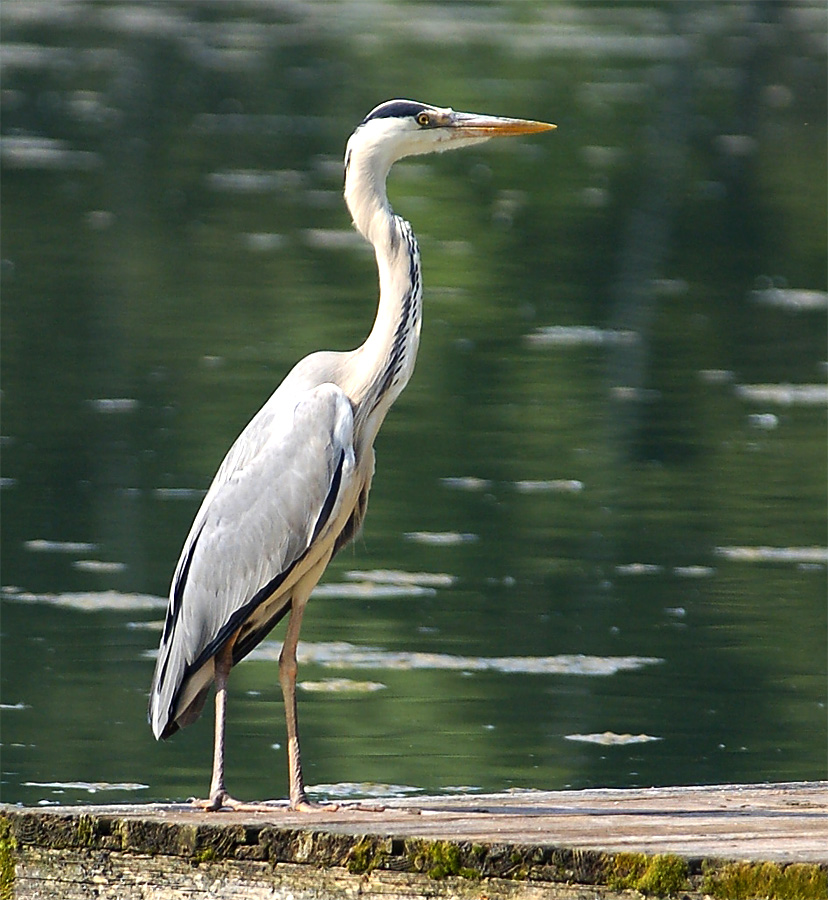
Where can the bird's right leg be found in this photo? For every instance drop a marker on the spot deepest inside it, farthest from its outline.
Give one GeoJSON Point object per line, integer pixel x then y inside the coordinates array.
{"type": "Point", "coordinates": [287, 678]}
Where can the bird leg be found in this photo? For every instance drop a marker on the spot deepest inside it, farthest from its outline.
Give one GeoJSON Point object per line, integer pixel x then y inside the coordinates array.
{"type": "Point", "coordinates": [223, 662]}
{"type": "Point", "coordinates": [218, 792]}
{"type": "Point", "coordinates": [287, 678]}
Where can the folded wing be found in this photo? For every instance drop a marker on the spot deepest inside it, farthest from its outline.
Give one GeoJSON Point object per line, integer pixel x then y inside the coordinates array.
{"type": "Point", "coordinates": [271, 506]}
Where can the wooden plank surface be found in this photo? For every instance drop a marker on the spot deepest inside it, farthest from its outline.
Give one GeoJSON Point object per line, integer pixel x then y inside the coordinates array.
{"type": "Point", "coordinates": [561, 844]}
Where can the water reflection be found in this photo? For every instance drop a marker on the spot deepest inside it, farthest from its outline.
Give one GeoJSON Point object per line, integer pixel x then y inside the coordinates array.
{"type": "Point", "coordinates": [342, 655]}
{"type": "Point", "coordinates": [613, 446]}
{"type": "Point", "coordinates": [611, 739]}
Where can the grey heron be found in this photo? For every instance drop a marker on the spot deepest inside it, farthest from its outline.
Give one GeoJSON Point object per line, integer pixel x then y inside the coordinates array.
{"type": "Point", "coordinates": [293, 488]}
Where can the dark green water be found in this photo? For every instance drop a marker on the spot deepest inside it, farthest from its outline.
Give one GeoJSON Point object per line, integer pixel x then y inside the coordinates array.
{"type": "Point", "coordinates": [620, 395]}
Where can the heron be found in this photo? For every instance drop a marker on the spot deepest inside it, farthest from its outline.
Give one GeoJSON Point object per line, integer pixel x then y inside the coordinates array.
{"type": "Point", "coordinates": [293, 488]}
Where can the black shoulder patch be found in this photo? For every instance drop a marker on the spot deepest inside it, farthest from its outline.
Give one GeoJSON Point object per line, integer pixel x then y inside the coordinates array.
{"type": "Point", "coordinates": [396, 109]}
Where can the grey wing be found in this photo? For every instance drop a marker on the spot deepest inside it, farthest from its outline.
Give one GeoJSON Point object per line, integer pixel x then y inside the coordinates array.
{"type": "Point", "coordinates": [281, 484]}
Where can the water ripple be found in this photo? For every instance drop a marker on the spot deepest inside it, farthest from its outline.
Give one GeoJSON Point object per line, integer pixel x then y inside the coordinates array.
{"type": "Point", "coordinates": [343, 655]}
{"type": "Point", "coordinates": [92, 787]}
{"type": "Point", "coordinates": [610, 738]}
{"type": "Point", "coordinates": [774, 554]}
{"type": "Point", "coordinates": [394, 576]}
{"type": "Point", "coordinates": [88, 601]}
{"type": "Point", "coordinates": [341, 686]}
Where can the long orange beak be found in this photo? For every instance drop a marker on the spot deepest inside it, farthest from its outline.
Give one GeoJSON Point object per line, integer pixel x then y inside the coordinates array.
{"type": "Point", "coordinates": [473, 125]}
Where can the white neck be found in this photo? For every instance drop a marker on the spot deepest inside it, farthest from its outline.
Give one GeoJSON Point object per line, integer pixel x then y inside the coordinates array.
{"type": "Point", "coordinates": [382, 366]}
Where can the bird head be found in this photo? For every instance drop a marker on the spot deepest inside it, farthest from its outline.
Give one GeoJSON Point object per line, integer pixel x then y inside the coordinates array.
{"type": "Point", "coordinates": [399, 128]}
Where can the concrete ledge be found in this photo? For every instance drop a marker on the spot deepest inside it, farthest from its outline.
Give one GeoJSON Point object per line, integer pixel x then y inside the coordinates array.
{"type": "Point", "coordinates": [726, 841]}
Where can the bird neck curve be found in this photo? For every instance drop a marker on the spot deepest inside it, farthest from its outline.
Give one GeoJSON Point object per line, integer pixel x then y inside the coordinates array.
{"type": "Point", "coordinates": [382, 365]}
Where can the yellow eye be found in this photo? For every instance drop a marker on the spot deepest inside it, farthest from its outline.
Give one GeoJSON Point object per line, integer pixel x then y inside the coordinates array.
{"type": "Point", "coordinates": [423, 119]}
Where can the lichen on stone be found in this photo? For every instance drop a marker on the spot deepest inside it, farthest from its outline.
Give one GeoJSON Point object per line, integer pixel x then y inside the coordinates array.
{"type": "Point", "coordinates": [8, 851]}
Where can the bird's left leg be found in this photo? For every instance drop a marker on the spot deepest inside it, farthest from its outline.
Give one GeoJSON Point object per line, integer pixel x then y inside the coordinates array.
{"type": "Point", "coordinates": [219, 797]}
{"type": "Point", "coordinates": [287, 678]}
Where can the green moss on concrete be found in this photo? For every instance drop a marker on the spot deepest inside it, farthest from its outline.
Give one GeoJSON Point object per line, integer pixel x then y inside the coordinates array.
{"type": "Point", "coordinates": [207, 840]}
{"type": "Point", "coordinates": [85, 831]}
{"type": "Point", "coordinates": [439, 859]}
{"type": "Point", "coordinates": [767, 881]}
{"type": "Point", "coordinates": [663, 875]}
{"type": "Point", "coordinates": [8, 851]}
{"type": "Point", "coordinates": [365, 856]}
{"type": "Point", "coordinates": [520, 867]}
{"type": "Point", "coordinates": [205, 855]}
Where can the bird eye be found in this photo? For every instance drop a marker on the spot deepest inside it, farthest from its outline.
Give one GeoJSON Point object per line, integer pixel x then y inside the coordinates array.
{"type": "Point", "coordinates": [423, 119]}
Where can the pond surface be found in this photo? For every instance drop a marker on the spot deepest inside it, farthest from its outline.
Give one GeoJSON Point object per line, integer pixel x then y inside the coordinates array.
{"type": "Point", "coordinates": [595, 553]}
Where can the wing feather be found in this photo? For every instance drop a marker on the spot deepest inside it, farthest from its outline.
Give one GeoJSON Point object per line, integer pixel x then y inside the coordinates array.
{"type": "Point", "coordinates": [280, 485]}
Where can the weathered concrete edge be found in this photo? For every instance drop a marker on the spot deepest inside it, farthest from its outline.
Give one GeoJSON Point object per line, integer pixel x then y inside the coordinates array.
{"type": "Point", "coordinates": [203, 843]}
